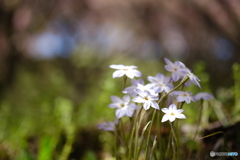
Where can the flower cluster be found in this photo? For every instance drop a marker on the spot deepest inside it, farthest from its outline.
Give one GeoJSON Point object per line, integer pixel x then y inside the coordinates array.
{"type": "Point", "coordinates": [149, 95]}
{"type": "Point", "coordinates": [162, 95]}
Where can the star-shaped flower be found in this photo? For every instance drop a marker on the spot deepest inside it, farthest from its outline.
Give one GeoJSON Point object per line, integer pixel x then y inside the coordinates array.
{"type": "Point", "coordinates": [147, 98]}
{"type": "Point", "coordinates": [172, 113]}
{"type": "Point", "coordinates": [132, 89]}
{"type": "Point", "coordinates": [183, 96]}
{"type": "Point", "coordinates": [160, 83]}
{"type": "Point", "coordinates": [193, 78]}
{"type": "Point", "coordinates": [129, 71]}
{"type": "Point", "coordinates": [175, 68]}
{"type": "Point", "coordinates": [124, 107]}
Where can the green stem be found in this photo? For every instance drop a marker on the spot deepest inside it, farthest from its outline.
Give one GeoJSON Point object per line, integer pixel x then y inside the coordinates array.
{"type": "Point", "coordinates": [136, 140]}
{"type": "Point", "coordinates": [199, 120]}
{"type": "Point", "coordinates": [130, 142]}
{"type": "Point", "coordinates": [132, 134]}
{"type": "Point", "coordinates": [142, 138]}
{"type": "Point", "coordinates": [159, 126]}
{"type": "Point", "coordinates": [149, 133]}
{"type": "Point", "coordinates": [116, 144]}
{"type": "Point", "coordinates": [153, 147]}
{"type": "Point", "coordinates": [121, 135]}
{"type": "Point", "coordinates": [168, 145]}
{"type": "Point", "coordinates": [124, 82]}
{"type": "Point", "coordinates": [137, 146]}
{"type": "Point", "coordinates": [197, 129]}
{"type": "Point", "coordinates": [68, 145]}
{"type": "Point", "coordinates": [176, 140]}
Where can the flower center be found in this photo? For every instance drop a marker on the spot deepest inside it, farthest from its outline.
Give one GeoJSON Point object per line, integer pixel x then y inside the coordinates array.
{"type": "Point", "coordinates": [122, 105]}
{"type": "Point", "coordinates": [146, 98]}
{"type": "Point", "coordinates": [172, 114]}
{"type": "Point", "coordinates": [175, 69]}
{"type": "Point", "coordinates": [161, 85]}
{"type": "Point", "coordinates": [185, 95]}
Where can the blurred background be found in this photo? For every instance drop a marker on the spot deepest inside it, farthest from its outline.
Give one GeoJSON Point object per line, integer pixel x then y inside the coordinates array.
{"type": "Point", "coordinates": [55, 79]}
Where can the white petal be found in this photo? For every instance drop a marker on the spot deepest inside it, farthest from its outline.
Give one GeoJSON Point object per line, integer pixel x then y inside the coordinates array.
{"type": "Point", "coordinates": [179, 111]}
{"type": "Point", "coordinates": [134, 82]}
{"type": "Point", "coordinates": [114, 105]}
{"type": "Point", "coordinates": [120, 113]}
{"type": "Point", "coordinates": [167, 88]}
{"type": "Point", "coordinates": [181, 116]}
{"type": "Point", "coordinates": [158, 89]}
{"type": "Point", "coordinates": [126, 98]}
{"type": "Point", "coordinates": [132, 66]}
{"type": "Point", "coordinates": [118, 73]}
{"type": "Point", "coordinates": [168, 68]}
{"type": "Point", "coordinates": [117, 66]}
{"type": "Point", "coordinates": [128, 89]}
{"type": "Point", "coordinates": [116, 99]}
{"type": "Point", "coordinates": [168, 62]}
{"type": "Point", "coordinates": [181, 99]}
{"type": "Point", "coordinates": [132, 106]}
{"type": "Point", "coordinates": [188, 100]}
{"type": "Point", "coordinates": [137, 73]}
{"type": "Point", "coordinates": [154, 97]}
{"type": "Point", "coordinates": [164, 118]}
{"type": "Point", "coordinates": [160, 76]}
{"type": "Point", "coordinates": [129, 112]}
{"type": "Point", "coordinates": [154, 105]}
{"type": "Point", "coordinates": [141, 93]}
{"type": "Point", "coordinates": [172, 107]}
{"type": "Point", "coordinates": [146, 105]}
{"type": "Point", "coordinates": [172, 118]}
{"type": "Point", "coordinates": [177, 64]}
{"type": "Point", "coordinates": [151, 79]}
{"type": "Point", "coordinates": [175, 76]}
{"type": "Point", "coordinates": [165, 110]}
{"type": "Point", "coordinates": [196, 83]}
{"type": "Point", "coordinates": [138, 99]}
{"type": "Point", "coordinates": [129, 74]}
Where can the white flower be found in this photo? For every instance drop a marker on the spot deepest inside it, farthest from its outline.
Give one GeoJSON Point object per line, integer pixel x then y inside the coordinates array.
{"type": "Point", "coordinates": [132, 89]}
{"type": "Point", "coordinates": [147, 99]}
{"type": "Point", "coordinates": [160, 83]}
{"type": "Point", "coordinates": [129, 71]}
{"type": "Point", "coordinates": [124, 107]}
{"type": "Point", "coordinates": [193, 78]}
{"type": "Point", "coordinates": [147, 87]}
{"type": "Point", "coordinates": [175, 68]}
{"type": "Point", "coordinates": [203, 95]}
{"type": "Point", "coordinates": [183, 96]}
{"type": "Point", "coordinates": [172, 113]}
{"type": "Point", "coordinates": [138, 85]}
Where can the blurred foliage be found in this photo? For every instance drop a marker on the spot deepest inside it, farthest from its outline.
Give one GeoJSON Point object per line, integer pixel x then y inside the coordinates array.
{"type": "Point", "coordinates": [46, 107]}
{"type": "Point", "coordinates": [54, 91]}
